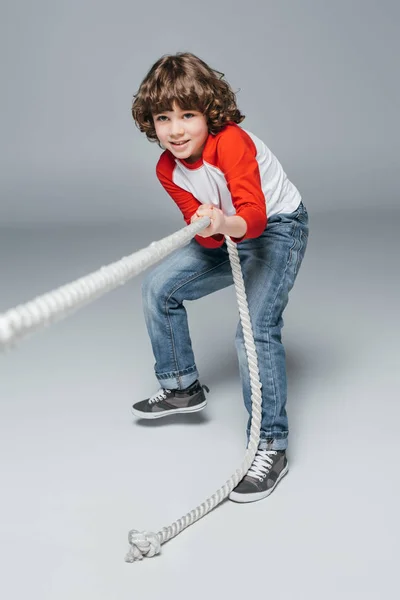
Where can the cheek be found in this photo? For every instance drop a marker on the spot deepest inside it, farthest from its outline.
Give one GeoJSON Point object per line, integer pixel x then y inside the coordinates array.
{"type": "Point", "coordinates": [205, 134]}
{"type": "Point", "coordinates": [158, 131]}
{"type": "Point", "coordinates": [202, 133]}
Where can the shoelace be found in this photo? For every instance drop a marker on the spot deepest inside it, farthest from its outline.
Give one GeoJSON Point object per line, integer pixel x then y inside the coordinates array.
{"type": "Point", "coordinates": [162, 394]}
{"type": "Point", "coordinates": [158, 396]}
{"type": "Point", "coordinates": [262, 464]}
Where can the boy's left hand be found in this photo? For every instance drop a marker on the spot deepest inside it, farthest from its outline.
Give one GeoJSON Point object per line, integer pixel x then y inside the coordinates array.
{"type": "Point", "coordinates": [217, 219]}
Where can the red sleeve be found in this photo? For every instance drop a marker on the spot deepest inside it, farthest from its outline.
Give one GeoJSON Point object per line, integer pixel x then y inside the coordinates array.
{"type": "Point", "coordinates": [185, 201]}
{"type": "Point", "coordinates": [236, 156]}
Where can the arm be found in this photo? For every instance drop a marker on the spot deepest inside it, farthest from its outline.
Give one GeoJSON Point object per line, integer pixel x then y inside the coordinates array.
{"type": "Point", "coordinates": [236, 157]}
{"type": "Point", "coordinates": [237, 160]}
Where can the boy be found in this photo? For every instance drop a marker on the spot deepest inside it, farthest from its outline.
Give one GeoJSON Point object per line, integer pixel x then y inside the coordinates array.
{"type": "Point", "coordinates": [212, 167]}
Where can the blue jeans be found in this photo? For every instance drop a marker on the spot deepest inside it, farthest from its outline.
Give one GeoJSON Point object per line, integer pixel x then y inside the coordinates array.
{"type": "Point", "coordinates": [270, 264]}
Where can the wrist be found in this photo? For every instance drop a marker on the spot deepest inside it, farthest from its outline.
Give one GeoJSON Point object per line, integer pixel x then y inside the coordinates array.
{"type": "Point", "coordinates": [234, 226]}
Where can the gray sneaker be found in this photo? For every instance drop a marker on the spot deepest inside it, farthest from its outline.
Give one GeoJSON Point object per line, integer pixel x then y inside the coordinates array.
{"type": "Point", "coordinates": [268, 468]}
{"type": "Point", "coordinates": [170, 402]}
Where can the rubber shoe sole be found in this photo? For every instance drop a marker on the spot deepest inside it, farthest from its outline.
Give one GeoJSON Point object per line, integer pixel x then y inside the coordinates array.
{"type": "Point", "coordinates": [166, 413]}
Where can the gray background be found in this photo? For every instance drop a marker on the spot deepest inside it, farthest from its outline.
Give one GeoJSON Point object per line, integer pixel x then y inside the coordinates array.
{"type": "Point", "coordinates": [319, 84]}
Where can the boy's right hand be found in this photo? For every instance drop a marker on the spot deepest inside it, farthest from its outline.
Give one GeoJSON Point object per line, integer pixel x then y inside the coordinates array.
{"type": "Point", "coordinates": [216, 216]}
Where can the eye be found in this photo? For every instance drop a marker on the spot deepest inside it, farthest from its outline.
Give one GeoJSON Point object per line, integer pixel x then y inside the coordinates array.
{"type": "Point", "coordinates": [161, 118]}
{"type": "Point", "coordinates": [188, 115]}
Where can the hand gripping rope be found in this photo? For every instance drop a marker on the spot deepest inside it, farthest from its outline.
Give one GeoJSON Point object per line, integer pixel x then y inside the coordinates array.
{"type": "Point", "coordinates": [24, 319]}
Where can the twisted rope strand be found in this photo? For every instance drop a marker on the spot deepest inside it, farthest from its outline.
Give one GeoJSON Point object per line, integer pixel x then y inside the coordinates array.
{"type": "Point", "coordinates": [149, 544]}
{"type": "Point", "coordinates": [24, 319]}
{"type": "Point", "coordinates": [40, 312]}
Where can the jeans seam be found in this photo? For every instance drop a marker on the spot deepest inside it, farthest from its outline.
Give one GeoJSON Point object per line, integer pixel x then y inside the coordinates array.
{"type": "Point", "coordinates": [295, 227]}
{"type": "Point", "coordinates": [277, 435]}
{"type": "Point", "coordinates": [268, 320]}
{"type": "Point", "coordinates": [299, 258]}
{"type": "Point", "coordinates": [177, 374]}
{"type": "Point", "coordinates": [172, 344]}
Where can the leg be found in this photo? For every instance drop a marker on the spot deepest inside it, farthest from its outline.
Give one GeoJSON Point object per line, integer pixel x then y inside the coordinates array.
{"type": "Point", "coordinates": [270, 265]}
{"type": "Point", "coordinates": [189, 273]}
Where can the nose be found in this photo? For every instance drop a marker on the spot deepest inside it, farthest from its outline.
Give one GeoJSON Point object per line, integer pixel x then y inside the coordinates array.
{"type": "Point", "coordinates": [177, 129]}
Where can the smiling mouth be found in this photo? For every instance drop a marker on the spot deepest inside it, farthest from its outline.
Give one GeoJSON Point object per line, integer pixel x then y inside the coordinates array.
{"type": "Point", "coordinates": [180, 143]}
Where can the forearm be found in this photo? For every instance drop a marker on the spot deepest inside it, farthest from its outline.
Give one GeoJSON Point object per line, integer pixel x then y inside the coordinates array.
{"type": "Point", "coordinates": [234, 226]}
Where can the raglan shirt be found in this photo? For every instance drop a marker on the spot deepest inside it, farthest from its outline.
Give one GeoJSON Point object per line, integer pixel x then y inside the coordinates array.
{"type": "Point", "coordinates": [236, 173]}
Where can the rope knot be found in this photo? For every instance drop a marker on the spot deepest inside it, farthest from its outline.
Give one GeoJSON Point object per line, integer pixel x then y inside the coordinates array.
{"type": "Point", "coordinates": [143, 543]}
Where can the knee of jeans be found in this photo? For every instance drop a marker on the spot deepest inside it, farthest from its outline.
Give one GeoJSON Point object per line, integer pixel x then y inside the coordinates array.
{"type": "Point", "coordinates": [265, 328]}
{"type": "Point", "coordinates": [151, 289]}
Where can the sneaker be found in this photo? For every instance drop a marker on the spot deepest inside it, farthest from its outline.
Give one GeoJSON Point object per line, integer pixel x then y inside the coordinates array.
{"type": "Point", "coordinates": [170, 402]}
{"type": "Point", "coordinates": [268, 468]}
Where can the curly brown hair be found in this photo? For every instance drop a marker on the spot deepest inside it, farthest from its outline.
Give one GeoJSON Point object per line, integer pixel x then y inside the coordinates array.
{"type": "Point", "coordinates": [187, 80]}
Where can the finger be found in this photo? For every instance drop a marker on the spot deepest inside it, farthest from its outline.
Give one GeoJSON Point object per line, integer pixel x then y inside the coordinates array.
{"type": "Point", "coordinates": [205, 209]}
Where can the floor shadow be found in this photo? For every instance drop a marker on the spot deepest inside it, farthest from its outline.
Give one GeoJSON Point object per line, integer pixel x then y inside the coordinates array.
{"type": "Point", "coordinates": [194, 419]}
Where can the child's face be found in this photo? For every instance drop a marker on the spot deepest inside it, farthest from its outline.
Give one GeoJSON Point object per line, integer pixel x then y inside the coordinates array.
{"type": "Point", "coordinates": [183, 132]}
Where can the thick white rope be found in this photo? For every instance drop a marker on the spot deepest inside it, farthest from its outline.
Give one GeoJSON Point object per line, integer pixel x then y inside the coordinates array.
{"type": "Point", "coordinates": [24, 319]}
{"type": "Point", "coordinates": [147, 543]}
{"type": "Point", "coordinates": [44, 310]}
